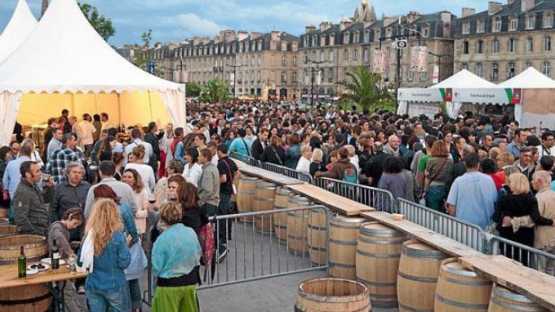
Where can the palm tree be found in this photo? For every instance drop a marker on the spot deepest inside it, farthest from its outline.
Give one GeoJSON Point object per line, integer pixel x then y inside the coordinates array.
{"type": "Point", "coordinates": [44, 7]}
{"type": "Point", "coordinates": [363, 88]}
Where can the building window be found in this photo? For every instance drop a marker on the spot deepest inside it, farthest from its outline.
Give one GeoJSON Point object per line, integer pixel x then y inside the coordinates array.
{"type": "Point", "coordinates": [283, 77]}
{"type": "Point", "coordinates": [480, 26]}
{"type": "Point", "coordinates": [346, 55]}
{"type": "Point", "coordinates": [294, 60]}
{"type": "Point", "coordinates": [530, 45]}
{"type": "Point", "coordinates": [511, 70]}
{"type": "Point", "coordinates": [355, 54]}
{"type": "Point", "coordinates": [480, 47]}
{"type": "Point", "coordinates": [346, 38]}
{"type": "Point", "coordinates": [547, 69]}
{"type": "Point", "coordinates": [530, 22]}
{"type": "Point", "coordinates": [322, 55]}
{"type": "Point", "coordinates": [547, 43]}
{"type": "Point", "coordinates": [548, 20]}
{"type": "Point", "coordinates": [479, 69]}
{"type": "Point", "coordinates": [377, 35]}
{"type": "Point", "coordinates": [465, 47]}
{"type": "Point", "coordinates": [513, 26]}
{"type": "Point", "coordinates": [283, 60]}
{"type": "Point", "coordinates": [495, 46]}
{"type": "Point", "coordinates": [331, 56]}
{"type": "Point", "coordinates": [497, 24]}
{"type": "Point", "coordinates": [365, 55]}
{"type": "Point", "coordinates": [294, 77]}
{"type": "Point", "coordinates": [356, 37]}
{"type": "Point", "coordinates": [494, 72]}
{"type": "Point", "coordinates": [512, 45]}
{"type": "Point", "coordinates": [464, 66]}
{"type": "Point", "coordinates": [466, 28]}
{"type": "Point", "coordinates": [424, 76]}
{"type": "Point", "coordinates": [330, 75]}
{"type": "Point", "coordinates": [367, 36]}
{"type": "Point", "coordinates": [425, 32]}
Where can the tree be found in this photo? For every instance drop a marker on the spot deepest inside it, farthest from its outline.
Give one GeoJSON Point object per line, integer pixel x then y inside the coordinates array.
{"type": "Point", "coordinates": [363, 88]}
{"type": "Point", "coordinates": [215, 91]}
{"type": "Point", "coordinates": [193, 89]}
{"type": "Point", "coordinates": [102, 24]}
{"type": "Point", "coordinates": [146, 37]}
{"type": "Point", "coordinates": [141, 59]}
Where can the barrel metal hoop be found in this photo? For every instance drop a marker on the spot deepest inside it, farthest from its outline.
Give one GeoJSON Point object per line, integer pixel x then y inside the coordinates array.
{"type": "Point", "coordinates": [341, 242]}
{"type": "Point", "coordinates": [381, 242]}
{"type": "Point", "coordinates": [515, 306]}
{"type": "Point", "coordinates": [468, 283]}
{"type": "Point", "coordinates": [25, 301]}
{"type": "Point", "coordinates": [418, 278]}
{"type": "Point", "coordinates": [378, 256]}
{"type": "Point", "coordinates": [317, 228]}
{"type": "Point", "coordinates": [459, 272]}
{"type": "Point", "coordinates": [505, 293]}
{"type": "Point", "coordinates": [429, 254]}
{"type": "Point", "coordinates": [317, 248]}
{"type": "Point", "coordinates": [373, 283]}
{"type": "Point", "coordinates": [407, 308]}
{"type": "Point", "coordinates": [340, 265]}
{"type": "Point", "coordinates": [466, 306]}
{"type": "Point", "coordinates": [296, 237]}
{"type": "Point", "coordinates": [381, 233]}
{"type": "Point", "coordinates": [280, 226]}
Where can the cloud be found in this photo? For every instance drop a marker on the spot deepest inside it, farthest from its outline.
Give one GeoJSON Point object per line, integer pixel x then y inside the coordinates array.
{"type": "Point", "coordinates": [196, 25]}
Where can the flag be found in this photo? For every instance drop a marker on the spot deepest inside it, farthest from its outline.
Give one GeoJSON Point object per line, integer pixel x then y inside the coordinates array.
{"type": "Point", "coordinates": [419, 59]}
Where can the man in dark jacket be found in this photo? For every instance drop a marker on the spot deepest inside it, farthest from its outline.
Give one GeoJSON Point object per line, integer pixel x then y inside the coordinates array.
{"type": "Point", "coordinates": [152, 138]}
{"type": "Point", "coordinates": [31, 211]}
{"type": "Point", "coordinates": [260, 144]}
{"type": "Point", "coordinates": [70, 194]}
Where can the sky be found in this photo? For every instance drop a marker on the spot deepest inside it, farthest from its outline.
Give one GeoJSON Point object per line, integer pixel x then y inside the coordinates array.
{"type": "Point", "coordinates": [176, 20]}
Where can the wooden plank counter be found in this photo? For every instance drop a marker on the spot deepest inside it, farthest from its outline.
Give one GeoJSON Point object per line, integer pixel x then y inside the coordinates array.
{"type": "Point", "coordinates": [344, 205]}
{"type": "Point", "coordinates": [536, 285]}
{"type": "Point", "coordinates": [9, 279]}
{"type": "Point", "coordinates": [265, 174]}
{"type": "Point", "coordinates": [424, 235]}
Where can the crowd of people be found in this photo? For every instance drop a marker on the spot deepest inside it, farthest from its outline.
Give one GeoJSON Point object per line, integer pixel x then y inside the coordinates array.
{"type": "Point", "coordinates": [106, 193]}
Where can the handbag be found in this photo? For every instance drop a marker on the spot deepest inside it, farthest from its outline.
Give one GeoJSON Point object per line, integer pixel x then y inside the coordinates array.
{"type": "Point", "coordinates": [138, 263]}
{"type": "Point", "coordinates": [86, 259]}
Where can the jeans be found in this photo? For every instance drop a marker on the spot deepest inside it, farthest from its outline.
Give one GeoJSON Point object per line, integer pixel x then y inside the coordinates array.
{"type": "Point", "coordinates": [135, 294]}
{"type": "Point", "coordinates": [436, 196]}
{"type": "Point", "coordinates": [116, 300]}
{"type": "Point", "coordinates": [224, 226]}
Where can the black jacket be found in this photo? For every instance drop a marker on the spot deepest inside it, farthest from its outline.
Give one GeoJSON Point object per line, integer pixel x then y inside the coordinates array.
{"type": "Point", "coordinates": [257, 149]}
{"type": "Point", "coordinates": [274, 155]}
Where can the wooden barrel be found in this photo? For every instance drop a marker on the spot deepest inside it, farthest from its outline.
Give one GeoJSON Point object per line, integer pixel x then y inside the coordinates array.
{"type": "Point", "coordinates": [281, 201]}
{"type": "Point", "coordinates": [417, 277]}
{"type": "Point", "coordinates": [246, 194]}
{"type": "Point", "coordinates": [6, 228]}
{"type": "Point", "coordinates": [342, 245]}
{"type": "Point", "coordinates": [332, 294]}
{"type": "Point", "coordinates": [3, 213]}
{"type": "Point", "coordinates": [377, 262]}
{"type": "Point", "coordinates": [30, 298]}
{"type": "Point", "coordinates": [459, 289]}
{"type": "Point", "coordinates": [297, 223]}
{"type": "Point", "coordinates": [264, 201]}
{"type": "Point", "coordinates": [318, 236]}
{"type": "Point", "coordinates": [504, 300]}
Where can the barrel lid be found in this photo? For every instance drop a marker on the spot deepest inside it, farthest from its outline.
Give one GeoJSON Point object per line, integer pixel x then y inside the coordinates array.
{"type": "Point", "coordinates": [375, 228]}
{"type": "Point", "coordinates": [418, 249]}
{"type": "Point", "coordinates": [340, 219]}
{"type": "Point", "coordinates": [454, 267]}
{"type": "Point", "coordinates": [503, 292]}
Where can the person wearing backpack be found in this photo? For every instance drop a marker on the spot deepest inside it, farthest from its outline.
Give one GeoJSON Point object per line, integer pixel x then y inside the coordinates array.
{"type": "Point", "coordinates": [342, 169]}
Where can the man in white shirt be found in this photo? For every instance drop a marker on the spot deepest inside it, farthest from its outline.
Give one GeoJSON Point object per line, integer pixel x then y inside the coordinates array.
{"type": "Point", "coordinates": [547, 148]}
{"type": "Point", "coordinates": [137, 138]}
{"type": "Point", "coordinates": [85, 131]}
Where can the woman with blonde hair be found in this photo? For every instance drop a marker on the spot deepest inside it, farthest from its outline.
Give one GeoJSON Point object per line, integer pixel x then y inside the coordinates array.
{"type": "Point", "coordinates": [317, 161]}
{"type": "Point", "coordinates": [106, 286]}
{"type": "Point", "coordinates": [175, 262]}
{"type": "Point", "coordinates": [517, 201]}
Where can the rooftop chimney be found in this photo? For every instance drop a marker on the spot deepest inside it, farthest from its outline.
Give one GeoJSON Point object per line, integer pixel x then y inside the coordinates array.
{"type": "Point", "coordinates": [494, 7]}
{"type": "Point", "coordinates": [325, 26]}
{"type": "Point", "coordinates": [467, 12]}
{"type": "Point", "coordinates": [309, 28]}
{"type": "Point", "coordinates": [242, 35]}
{"type": "Point", "coordinates": [345, 23]}
{"type": "Point", "coordinates": [526, 5]}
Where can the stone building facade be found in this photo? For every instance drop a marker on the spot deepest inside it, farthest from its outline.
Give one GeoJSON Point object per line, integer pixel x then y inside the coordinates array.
{"type": "Point", "coordinates": [255, 65]}
{"type": "Point", "coordinates": [501, 42]}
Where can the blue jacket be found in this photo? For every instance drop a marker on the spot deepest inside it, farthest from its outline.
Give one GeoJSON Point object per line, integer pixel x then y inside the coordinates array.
{"type": "Point", "coordinates": [292, 156]}
{"type": "Point", "coordinates": [108, 267]}
{"type": "Point", "coordinates": [128, 221]}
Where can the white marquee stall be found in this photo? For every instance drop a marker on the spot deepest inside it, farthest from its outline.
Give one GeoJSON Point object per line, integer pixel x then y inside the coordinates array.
{"type": "Point", "coordinates": [17, 30]}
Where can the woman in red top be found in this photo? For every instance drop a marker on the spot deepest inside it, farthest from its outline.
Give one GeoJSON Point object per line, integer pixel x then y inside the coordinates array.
{"type": "Point", "coordinates": [488, 167]}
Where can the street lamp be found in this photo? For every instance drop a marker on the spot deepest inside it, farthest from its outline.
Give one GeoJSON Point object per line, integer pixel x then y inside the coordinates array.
{"type": "Point", "coordinates": [312, 70]}
{"type": "Point", "coordinates": [235, 66]}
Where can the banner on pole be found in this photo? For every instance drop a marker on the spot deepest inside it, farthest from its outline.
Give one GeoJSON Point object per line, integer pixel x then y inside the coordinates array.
{"type": "Point", "coordinates": [419, 59]}
{"type": "Point", "coordinates": [379, 63]}
{"type": "Point", "coordinates": [435, 74]}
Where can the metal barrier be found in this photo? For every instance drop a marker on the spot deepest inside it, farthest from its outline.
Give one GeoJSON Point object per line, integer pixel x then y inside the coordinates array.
{"type": "Point", "coordinates": [379, 199]}
{"type": "Point", "coordinates": [246, 159]}
{"type": "Point", "coordinates": [465, 233]}
{"type": "Point", "coordinates": [286, 172]}
{"type": "Point", "coordinates": [531, 257]}
{"type": "Point", "coordinates": [255, 250]}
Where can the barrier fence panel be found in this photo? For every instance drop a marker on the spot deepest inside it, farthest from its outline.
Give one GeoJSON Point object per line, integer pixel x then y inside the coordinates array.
{"type": "Point", "coordinates": [286, 172]}
{"type": "Point", "coordinates": [246, 159]}
{"type": "Point", "coordinates": [531, 257]}
{"type": "Point", "coordinates": [465, 233]}
{"type": "Point", "coordinates": [378, 199]}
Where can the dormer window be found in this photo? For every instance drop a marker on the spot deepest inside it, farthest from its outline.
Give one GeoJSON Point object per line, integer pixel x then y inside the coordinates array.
{"type": "Point", "coordinates": [548, 20]}
{"type": "Point", "coordinates": [530, 22]}
{"type": "Point", "coordinates": [480, 26]}
{"type": "Point", "coordinates": [497, 24]}
{"type": "Point", "coordinates": [466, 28]}
{"type": "Point", "coordinates": [346, 36]}
{"type": "Point", "coordinates": [513, 25]}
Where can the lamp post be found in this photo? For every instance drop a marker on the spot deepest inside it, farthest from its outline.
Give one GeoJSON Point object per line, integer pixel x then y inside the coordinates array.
{"type": "Point", "coordinates": [312, 70]}
{"type": "Point", "coordinates": [235, 66]}
{"type": "Point", "coordinates": [439, 56]}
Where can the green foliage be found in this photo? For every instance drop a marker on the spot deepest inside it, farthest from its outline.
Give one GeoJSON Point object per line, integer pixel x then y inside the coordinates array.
{"type": "Point", "coordinates": [103, 25]}
{"type": "Point", "coordinates": [146, 37]}
{"type": "Point", "coordinates": [363, 89]}
{"type": "Point", "coordinates": [215, 91]}
{"type": "Point", "coordinates": [193, 89]}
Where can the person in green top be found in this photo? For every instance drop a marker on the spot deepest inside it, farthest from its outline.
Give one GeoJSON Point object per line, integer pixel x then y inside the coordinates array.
{"type": "Point", "coordinates": [422, 162]}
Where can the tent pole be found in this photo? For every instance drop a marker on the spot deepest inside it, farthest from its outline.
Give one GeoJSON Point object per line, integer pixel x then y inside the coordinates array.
{"type": "Point", "coordinates": [73, 104]}
{"type": "Point", "coordinates": [119, 109]}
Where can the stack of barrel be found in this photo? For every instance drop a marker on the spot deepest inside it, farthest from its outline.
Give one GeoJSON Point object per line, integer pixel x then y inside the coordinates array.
{"type": "Point", "coordinates": [30, 298]}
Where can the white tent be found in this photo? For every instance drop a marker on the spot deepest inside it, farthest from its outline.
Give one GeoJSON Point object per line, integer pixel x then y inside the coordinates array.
{"type": "Point", "coordinates": [64, 63]}
{"type": "Point", "coordinates": [529, 79]}
{"type": "Point", "coordinates": [17, 30]}
{"type": "Point", "coordinates": [464, 79]}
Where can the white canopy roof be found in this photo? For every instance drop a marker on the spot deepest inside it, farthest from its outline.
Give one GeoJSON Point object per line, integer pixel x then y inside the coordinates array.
{"type": "Point", "coordinates": [65, 53]}
{"type": "Point", "coordinates": [529, 79]}
{"type": "Point", "coordinates": [17, 30]}
{"type": "Point", "coordinates": [464, 80]}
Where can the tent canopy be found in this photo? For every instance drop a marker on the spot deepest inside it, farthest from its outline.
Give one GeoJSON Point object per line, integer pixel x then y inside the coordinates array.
{"type": "Point", "coordinates": [64, 55]}
{"type": "Point", "coordinates": [529, 79]}
{"type": "Point", "coordinates": [464, 80]}
{"type": "Point", "coordinates": [17, 30]}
